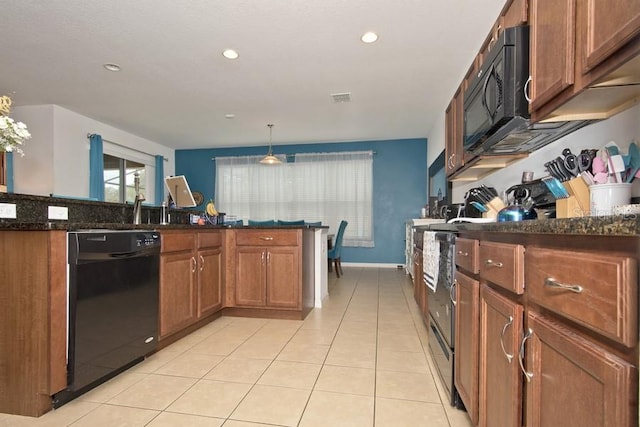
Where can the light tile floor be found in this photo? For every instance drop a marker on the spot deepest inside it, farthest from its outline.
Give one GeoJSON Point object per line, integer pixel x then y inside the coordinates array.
{"type": "Point", "coordinates": [360, 360]}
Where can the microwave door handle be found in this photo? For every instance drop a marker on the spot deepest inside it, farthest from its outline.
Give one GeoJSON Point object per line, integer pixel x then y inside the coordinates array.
{"type": "Point", "coordinates": [485, 86]}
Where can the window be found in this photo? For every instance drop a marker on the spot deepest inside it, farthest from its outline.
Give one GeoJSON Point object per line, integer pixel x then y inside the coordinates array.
{"type": "Point", "coordinates": [327, 187]}
{"type": "Point", "coordinates": [119, 179]}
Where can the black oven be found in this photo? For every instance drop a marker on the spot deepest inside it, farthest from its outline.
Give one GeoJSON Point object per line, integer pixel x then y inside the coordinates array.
{"type": "Point", "coordinates": [495, 99]}
{"type": "Point", "coordinates": [442, 315]}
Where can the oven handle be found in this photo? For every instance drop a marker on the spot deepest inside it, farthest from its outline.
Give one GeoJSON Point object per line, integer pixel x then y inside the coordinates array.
{"type": "Point", "coordinates": [504, 329]}
{"type": "Point", "coordinates": [452, 292]}
{"type": "Point", "coordinates": [527, 335]}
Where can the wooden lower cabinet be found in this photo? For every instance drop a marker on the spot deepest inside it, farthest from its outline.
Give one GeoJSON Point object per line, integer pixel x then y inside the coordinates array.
{"type": "Point", "coordinates": [466, 342]}
{"type": "Point", "coordinates": [177, 292]}
{"type": "Point", "coordinates": [268, 277]}
{"type": "Point", "coordinates": [500, 381]}
{"type": "Point", "coordinates": [33, 327]}
{"type": "Point", "coordinates": [574, 381]}
{"type": "Point", "coordinates": [210, 280]}
{"type": "Point", "coordinates": [191, 278]}
{"type": "Point", "coordinates": [419, 287]}
{"type": "Point", "coordinates": [268, 269]}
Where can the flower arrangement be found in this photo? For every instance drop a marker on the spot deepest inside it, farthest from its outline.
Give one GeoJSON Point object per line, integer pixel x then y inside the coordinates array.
{"type": "Point", "coordinates": [12, 133]}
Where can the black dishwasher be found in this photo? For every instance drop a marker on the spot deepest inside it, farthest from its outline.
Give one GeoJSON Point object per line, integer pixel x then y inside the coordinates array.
{"type": "Point", "coordinates": [113, 294]}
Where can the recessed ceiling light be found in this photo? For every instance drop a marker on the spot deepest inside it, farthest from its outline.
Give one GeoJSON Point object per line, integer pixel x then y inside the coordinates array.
{"type": "Point", "coordinates": [112, 67]}
{"type": "Point", "coordinates": [230, 54]}
{"type": "Point", "coordinates": [229, 116]}
{"type": "Point", "coordinates": [369, 37]}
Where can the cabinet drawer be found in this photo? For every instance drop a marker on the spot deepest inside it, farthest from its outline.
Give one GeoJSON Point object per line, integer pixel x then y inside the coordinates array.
{"type": "Point", "coordinates": [173, 242]}
{"type": "Point", "coordinates": [503, 264]}
{"type": "Point", "coordinates": [596, 291]}
{"type": "Point", "coordinates": [210, 239]}
{"type": "Point", "coordinates": [467, 254]}
{"type": "Point", "coordinates": [267, 238]}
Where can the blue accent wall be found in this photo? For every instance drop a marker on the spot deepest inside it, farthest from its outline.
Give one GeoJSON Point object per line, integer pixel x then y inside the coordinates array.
{"type": "Point", "coordinates": [399, 186]}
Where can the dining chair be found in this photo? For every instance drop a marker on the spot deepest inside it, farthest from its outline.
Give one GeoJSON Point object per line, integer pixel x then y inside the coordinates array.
{"type": "Point", "coordinates": [267, 223]}
{"type": "Point", "coordinates": [334, 253]}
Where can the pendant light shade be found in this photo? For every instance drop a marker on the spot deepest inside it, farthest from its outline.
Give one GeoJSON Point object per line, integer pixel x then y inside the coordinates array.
{"type": "Point", "coordinates": [270, 159]}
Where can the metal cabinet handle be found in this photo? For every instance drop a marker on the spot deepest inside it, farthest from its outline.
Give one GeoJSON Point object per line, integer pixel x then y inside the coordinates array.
{"type": "Point", "coordinates": [193, 264]}
{"type": "Point", "coordinates": [504, 329]}
{"type": "Point", "coordinates": [201, 263]}
{"type": "Point", "coordinates": [268, 257]}
{"type": "Point", "coordinates": [262, 257]}
{"type": "Point", "coordinates": [463, 253]}
{"type": "Point", "coordinates": [492, 263]}
{"type": "Point", "coordinates": [527, 335]}
{"type": "Point", "coordinates": [526, 89]}
{"type": "Point", "coordinates": [267, 238]}
{"type": "Point", "coordinates": [553, 283]}
{"type": "Point", "coordinates": [452, 292]}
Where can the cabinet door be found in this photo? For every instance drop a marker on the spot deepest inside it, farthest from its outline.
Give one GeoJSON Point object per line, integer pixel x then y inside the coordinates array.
{"type": "Point", "coordinates": [209, 281]}
{"type": "Point", "coordinates": [575, 382]}
{"type": "Point", "coordinates": [466, 342]}
{"type": "Point", "coordinates": [609, 25]}
{"type": "Point", "coordinates": [500, 383]}
{"type": "Point", "coordinates": [177, 292]}
{"type": "Point", "coordinates": [454, 134]}
{"type": "Point", "coordinates": [552, 53]}
{"type": "Point", "coordinates": [283, 277]}
{"type": "Point", "coordinates": [250, 276]}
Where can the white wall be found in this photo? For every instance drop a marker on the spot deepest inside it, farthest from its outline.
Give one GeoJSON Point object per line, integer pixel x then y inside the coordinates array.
{"type": "Point", "coordinates": [621, 128]}
{"type": "Point", "coordinates": [56, 157]}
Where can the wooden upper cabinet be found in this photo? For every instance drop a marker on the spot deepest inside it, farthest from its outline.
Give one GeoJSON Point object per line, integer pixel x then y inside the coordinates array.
{"type": "Point", "coordinates": [552, 48]}
{"type": "Point", "coordinates": [516, 13]}
{"type": "Point", "coordinates": [609, 25]}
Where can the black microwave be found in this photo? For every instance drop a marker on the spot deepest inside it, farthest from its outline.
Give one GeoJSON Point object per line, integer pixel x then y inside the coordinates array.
{"type": "Point", "coordinates": [495, 100]}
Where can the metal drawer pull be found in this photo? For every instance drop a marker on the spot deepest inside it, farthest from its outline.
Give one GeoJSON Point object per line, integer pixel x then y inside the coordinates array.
{"type": "Point", "coordinates": [452, 292]}
{"type": "Point", "coordinates": [504, 329]}
{"type": "Point", "coordinates": [266, 238]}
{"type": "Point", "coordinates": [553, 283]}
{"type": "Point", "coordinates": [491, 263]}
{"type": "Point", "coordinates": [463, 253]}
{"type": "Point", "coordinates": [527, 375]}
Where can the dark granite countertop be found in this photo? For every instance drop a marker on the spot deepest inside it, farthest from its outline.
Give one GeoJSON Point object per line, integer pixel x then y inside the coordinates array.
{"type": "Point", "coordinates": [619, 225]}
{"type": "Point", "coordinates": [75, 226]}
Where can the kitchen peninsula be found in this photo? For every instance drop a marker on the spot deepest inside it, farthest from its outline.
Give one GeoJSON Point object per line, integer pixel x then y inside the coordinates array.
{"type": "Point", "coordinates": [205, 272]}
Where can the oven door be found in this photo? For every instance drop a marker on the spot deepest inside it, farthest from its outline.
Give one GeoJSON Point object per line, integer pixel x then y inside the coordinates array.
{"type": "Point", "coordinates": [443, 358]}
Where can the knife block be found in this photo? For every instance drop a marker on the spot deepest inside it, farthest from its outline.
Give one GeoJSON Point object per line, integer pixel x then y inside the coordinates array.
{"type": "Point", "coordinates": [578, 204]}
{"type": "Point", "coordinates": [493, 207]}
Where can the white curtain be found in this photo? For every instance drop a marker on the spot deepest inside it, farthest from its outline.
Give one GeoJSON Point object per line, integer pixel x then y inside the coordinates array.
{"type": "Point", "coordinates": [327, 187]}
{"type": "Point", "coordinates": [247, 189]}
{"type": "Point", "coordinates": [336, 186]}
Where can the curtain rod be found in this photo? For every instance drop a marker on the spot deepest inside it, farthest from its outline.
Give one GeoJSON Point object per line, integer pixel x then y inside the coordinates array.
{"type": "Point", "coordinates": [127, 147]}
{"type": "Point", "coordinates": [295, 154]}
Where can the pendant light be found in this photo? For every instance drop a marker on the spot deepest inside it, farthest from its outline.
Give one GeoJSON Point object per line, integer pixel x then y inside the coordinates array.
{"type": "Point", "coordinates": [270, 159]}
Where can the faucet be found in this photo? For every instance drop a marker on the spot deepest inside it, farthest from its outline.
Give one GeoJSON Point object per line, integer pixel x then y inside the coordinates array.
{"type": "Point", "coordinates": [137, 204]}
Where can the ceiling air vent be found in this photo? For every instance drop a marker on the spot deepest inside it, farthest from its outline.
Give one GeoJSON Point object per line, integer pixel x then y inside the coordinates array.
{"type": "Point", "coordinates": [341, 97]}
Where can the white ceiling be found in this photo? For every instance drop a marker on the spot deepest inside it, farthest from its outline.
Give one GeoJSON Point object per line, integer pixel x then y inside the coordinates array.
{"type": "Point", "coordinates": [175, 87]}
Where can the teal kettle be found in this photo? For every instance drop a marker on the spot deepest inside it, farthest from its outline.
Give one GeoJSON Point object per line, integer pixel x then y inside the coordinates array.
{"type": "Point", "coordinates": [521, 208]}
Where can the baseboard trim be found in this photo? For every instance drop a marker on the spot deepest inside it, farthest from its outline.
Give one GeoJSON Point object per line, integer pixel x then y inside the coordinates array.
{"type": "Point", "coordinates": [372, 265]}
